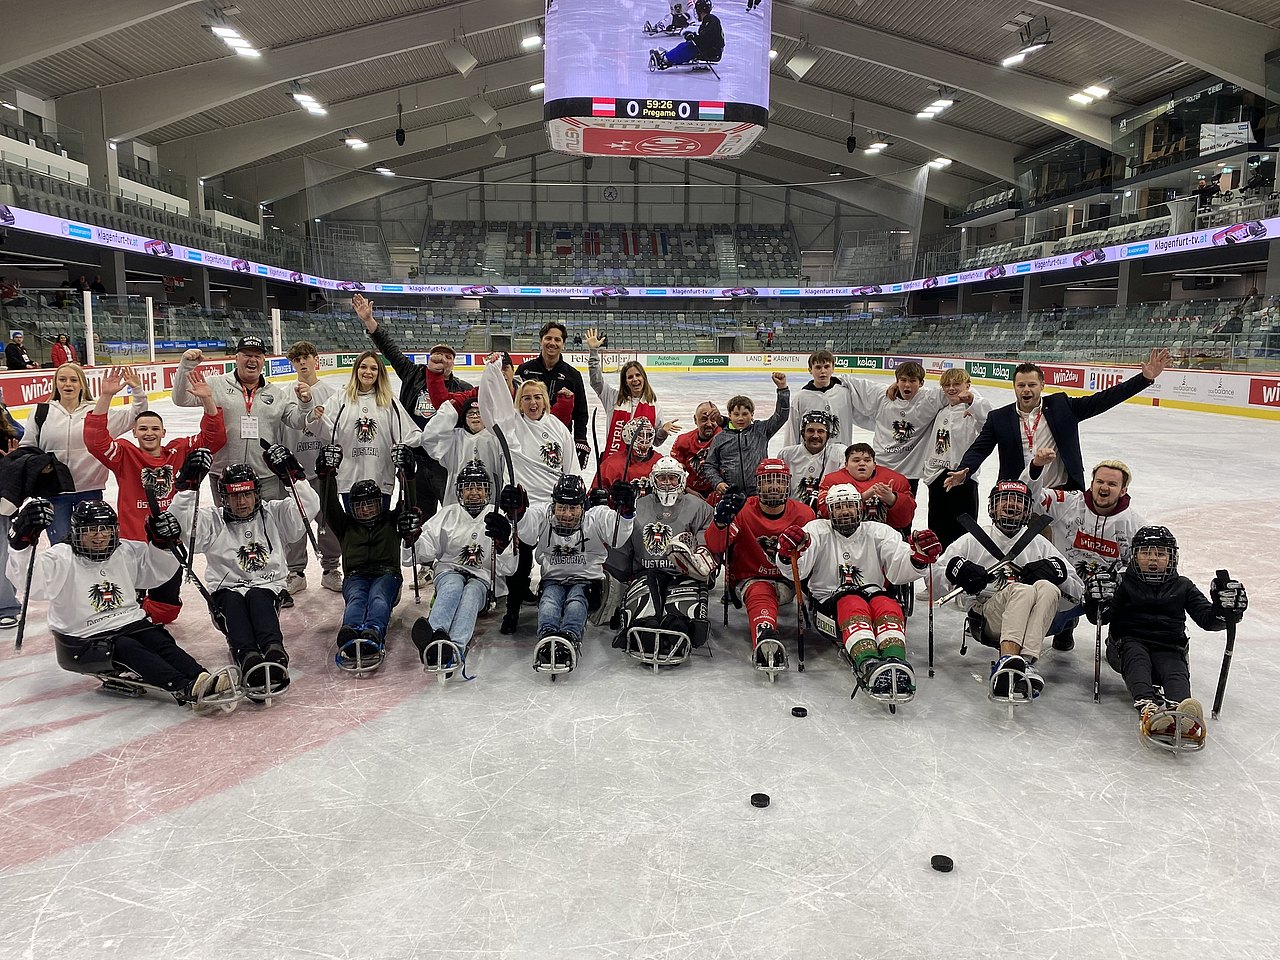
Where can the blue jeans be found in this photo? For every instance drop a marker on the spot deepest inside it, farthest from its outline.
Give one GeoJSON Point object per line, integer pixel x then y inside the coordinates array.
{"type": "Point", "coordinates": [369, 601]}
{"type": "Point", "coordinates": [682, 53]}
{"type": "Point", "coordinates": [459, 600]}
{"type": "Point", "coordinates": [62, 505]}
{"type": "Point", "coordinates": [562, 608]}
{"type": "Point", "coordinates": [9, 606]}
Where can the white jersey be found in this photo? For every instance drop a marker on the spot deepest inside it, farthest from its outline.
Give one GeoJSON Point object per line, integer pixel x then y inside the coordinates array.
{"type": "Point", "coordinates": [900, 426]}
{"type": "Point", "coordinates": [873, 554]}
{"type": "Point", "coordinates": [808, 469]}
{"type": "Point", "coordinates": [453, 446]}
{"type": "Point", "coordinates": [93, 598]}
{"type": "Point", "coordinates": [455, 540]}
{"type": "Point", "coordinates": [541, 450]}
{"type": "Point", "coordinates": [954, 430]}
{"type": "Point", "coordinates": [366, 432]}
{"type": "Point", "coordinates": [579, 556]}
{"type": "Point", "coordinates": [968, 547]}
{"type": "Point", "coordinates": [251, 553]}
{"type": "Point", "coordinates": [1090, 541]}
{"type": "Point", "coordinates": [63, 436]}
{"type": "Point", "coordinates": [305, 442]}
{"type": "Point", "coordinates": [835, 401]}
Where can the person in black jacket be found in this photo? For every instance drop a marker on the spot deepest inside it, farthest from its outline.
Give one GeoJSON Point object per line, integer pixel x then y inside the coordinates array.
{"type": "Point", "coordinates": [432, 477]}
{"type": "Point", "coordinates": [550, 367]}
{"type": "Point", "coordinates": [1147, 609]}
{"type": "Point", "coordinates": [707, 44]}
{"type": "Point", "coordinates": [1033, 422]}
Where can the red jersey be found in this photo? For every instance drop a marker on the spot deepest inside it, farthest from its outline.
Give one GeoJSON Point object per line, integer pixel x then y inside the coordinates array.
{"type": "Point", "coordinates": [132, 467]}
{"type": "Point", "coordinates": [613, 466]}
{"type": "Point", "coordinates": [692, 454]}
{"type": "Point", "coordinates": [755, 540]}
{"type": "Point", "coordinates": [899, 516]}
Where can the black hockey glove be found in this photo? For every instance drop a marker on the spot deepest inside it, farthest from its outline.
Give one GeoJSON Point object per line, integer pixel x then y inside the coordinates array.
{"type": "Point", "coordinates": [163, 531]}
{"type": "Point", "coordinates": [623, 496]}
{"type": "Point", "coordinates": [328, 460]}
{"type": "Point", "coordinates": [1050, 569]}
{"type": "Point", "coordinates": [1229, 600]}
{"type": "Point", "coordinates": [30, 522]}
{"type": "Point", "coordinates": [967, 575]}
{"type": "Point", "coordinates": [599, 497]}
{"type": "Point", "coordinates": [194, 469]}
{"type": "Point", "coordinates": [409, 526]}
{"type": "Point", "coordinates": [402, 459]}
{"type": "Point", "coordinates": [1099, 595]}
{"type": "Point", "coordinates": [283, 463]}
{"type": "Point", "coordinates": [728, 506]}
{"type": "Point", "coordinates": [584, 453]}
{"type": "Point", "coordinates": [498, 529]}
{"type": "Point", "coordinates": [514, 500]}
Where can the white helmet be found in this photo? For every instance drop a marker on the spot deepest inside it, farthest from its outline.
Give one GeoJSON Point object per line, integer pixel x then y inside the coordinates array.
{"type": "Point", "coordinates": [844, 507]}
{"type": "Point", "coordinates": [668, 479]}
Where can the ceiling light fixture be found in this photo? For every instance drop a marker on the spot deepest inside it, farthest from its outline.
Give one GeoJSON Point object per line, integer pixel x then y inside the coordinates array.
{"type": "Point", "coordinates": [531, 42]}
{"type": "Point", "coordinates": [306, 100]}
{"type": "Point", "coordinates": [939, 162]}
{"type": "Point", "coordinates": [773, 54]}
{"type": "Point", "coordinates": [835, 172]}
{"type": "Point", "coordinates": [876, 146]}
{"type": "Point", "coordinates": [498, 147]}
{"type": "Point", "coordinates": [1034, 35]}
{"type": "Point", "coordinates": [482, 110]}
{"type": "Point", "coordinates": [537, 87]}
{"type": "Point", "coordinates": [459, 57]}
{"type": "Point", "coordinates": [1097, 92]}
{"type": "Point", "coordinates": [352, 141]}
{"type": "Point", "coordinates": [385, 171]}
{"type": "Point", "coordinates": [1089, 94]}
{"type": "Point", "coordinates": [801, 62]}
{"type": "Point", "coordinates": [248, 52]}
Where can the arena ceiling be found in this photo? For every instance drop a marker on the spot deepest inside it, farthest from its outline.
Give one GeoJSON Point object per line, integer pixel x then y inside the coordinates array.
{"type": "Point", "coordinates": [152, 71]}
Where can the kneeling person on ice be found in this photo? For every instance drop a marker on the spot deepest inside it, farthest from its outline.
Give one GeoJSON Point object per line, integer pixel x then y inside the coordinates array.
{"type": "Point", "coordinates": [747, 532]}
{"type": "Point", "coordinates": [848, 563]}
{"type": "Point", "coordinates": [93, 579]}
{"type": "Point", "coordinates": [1014, 602]}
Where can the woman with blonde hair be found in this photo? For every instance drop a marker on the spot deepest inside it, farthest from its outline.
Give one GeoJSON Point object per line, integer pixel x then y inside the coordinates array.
{"type": "Point", "coordinates": [57, 426]}
{"type": "Point", "coordinates": [370, 425]}
{"type": "Point", "coordinates": [632, 397]}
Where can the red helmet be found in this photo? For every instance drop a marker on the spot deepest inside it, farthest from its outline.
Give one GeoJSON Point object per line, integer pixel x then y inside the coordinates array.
{"type": "Point", "coordinates": [773, 481]}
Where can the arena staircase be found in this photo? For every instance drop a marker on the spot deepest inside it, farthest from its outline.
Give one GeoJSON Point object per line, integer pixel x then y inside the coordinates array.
{"type": "Point", "coordinates": [727, 259]}
{"type": "Point", "coordinates": [495, 254]}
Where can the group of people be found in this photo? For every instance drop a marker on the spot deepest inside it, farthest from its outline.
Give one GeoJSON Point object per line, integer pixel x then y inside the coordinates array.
{"type": "Point", "coordinates": [476, 484]}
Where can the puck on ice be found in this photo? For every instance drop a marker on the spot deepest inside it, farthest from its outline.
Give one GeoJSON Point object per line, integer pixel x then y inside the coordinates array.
{"type": "Point", "coordinates": [759, 799]}
{"type": "Point", "coordinates": [941, 863]}
{"type": "Point", "coordinates": [799, 712]}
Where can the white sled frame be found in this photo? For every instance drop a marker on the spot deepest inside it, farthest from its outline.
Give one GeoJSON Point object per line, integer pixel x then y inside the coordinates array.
{"type": "Point", "coordinates": [556, 667]}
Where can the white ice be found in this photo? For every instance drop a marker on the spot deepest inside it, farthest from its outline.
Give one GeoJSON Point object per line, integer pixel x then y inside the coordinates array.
{"type": "Point", "coordinates": [607, 815]}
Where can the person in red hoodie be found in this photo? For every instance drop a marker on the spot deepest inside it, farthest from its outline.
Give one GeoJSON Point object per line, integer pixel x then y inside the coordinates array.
{"type": "Point", "coordinates": [691, 448]}
{"type": "Point", "coordinates": [752, 528]}
{"type": "Point", "coordinates": [152, 463]}
{"type": "Point", "coordinates": [886, 494]}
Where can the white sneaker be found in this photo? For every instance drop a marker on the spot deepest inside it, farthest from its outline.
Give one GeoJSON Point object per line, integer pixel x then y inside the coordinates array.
{"type": "Point", "coordinates": [295, 583]}
{"type": "Point", "coordinates": [424, 576]}
{"type": "Point", "coordinates": [332, 580]}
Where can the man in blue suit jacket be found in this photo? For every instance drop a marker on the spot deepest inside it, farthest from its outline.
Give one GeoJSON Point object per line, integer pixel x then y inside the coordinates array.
{"type": "Point", "coordinates": [1033, 422]}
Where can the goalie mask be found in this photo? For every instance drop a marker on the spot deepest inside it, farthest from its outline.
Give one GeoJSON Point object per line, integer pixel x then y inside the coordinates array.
{"type": "Point", "coordinates": [1009, 506]}
{"type": "Point", "coordinates": [844, 507]}
{"type": "Point", "coordinates": [95, 530]}
{"type": "Point", "coordinates": [668, 479]}
{"type": "Point", "coordinates": [638, 434]}
{"type": "Point", "coordinates": [365, 502]}
{"type": "Point", "coordinates": [473, 487]}
{"type": "Point", "coordinates": [568, 504]}
{"type": "Point", "coordinates": [773, 482]}
{"type": "Point", "coordinates": [241, 493]}
{"type": "Point", "coordinates": [1154, 554]}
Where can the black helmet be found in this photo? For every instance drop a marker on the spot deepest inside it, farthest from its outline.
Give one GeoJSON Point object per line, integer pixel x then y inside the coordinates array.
{"type": "Point", "coordinates": [1009, 491]}
{"type": "Point", "coordinates": [1154, 537]}
{"type": "Point", "coordinates": [820, 417]}
{"type": "Point", "coordinates": [365, 502]}
{"type": "Point", "coordinates": [473, 474]}
{"type": "Point", "coordinates": [569, 492]}
{"type": "Point", "coordinates": [87, 517]}
{"type": "Point", "coordinates": [702, 8]}
{"type": "Point", "coordinates": [239, 478]}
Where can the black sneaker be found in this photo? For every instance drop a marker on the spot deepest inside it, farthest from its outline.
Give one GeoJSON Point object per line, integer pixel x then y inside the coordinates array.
{"type": "Point", "coordinates": [286, 601]}
{"type": "Point", "coordinates": [1064, 641]}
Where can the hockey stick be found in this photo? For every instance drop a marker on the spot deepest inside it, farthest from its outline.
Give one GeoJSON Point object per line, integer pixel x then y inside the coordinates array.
{"type": "Point", "coordinates": [724, 597]}
{"type": "Point", "coordinates": [405, 507]}
{"type": "Point", "coordinates": [595, 443]}
{"type": "Point", "coordinates": [191, 546]}
{"type": "Point", "coordinates": [1097, 663]}
{"type": "Point", "coordinates": [1221, 580]}
{"type": "Point", "coordinates": [617, 517]}
{"type": "Point", "coordinates": [801, 617]}
{"type": "Point", "coordinates": [22, 618]}
{"type": "Point", "coordinates": [183, 561]}
{"type": "Point", "coordinates": [306, 524]}
{"type": "Point", "coordinates": [928, 586]}
{"type": "Point", "coordinates": [1002, 560]}
{"type": "Point", "coordinates": [511, 472]}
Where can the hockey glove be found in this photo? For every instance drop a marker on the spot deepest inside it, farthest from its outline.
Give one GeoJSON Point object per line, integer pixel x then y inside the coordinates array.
{"type": "Point", "coordinates": [409, 526]}
{"type": "Point", "coordinates": [30, 522]}
{"type": "Point", "coordinates": [328, 460]}
{"type": "Point", "coordinates": [1099, 594]}
{"type": "Point", "coordinates": [1050, 569]}
{"type": "Point", "coordinates": [1229, 600]}
{"type": "Point", "coordinates": [599, 497]}
{"type": "Point", "coordinates": [967, 575]}
{"type": "Point", "coordinates": [584, 453]}
{"type": "Point", "coordinates": [792, 542]}
{"type": "Point", "coordinates": [513, 500]}
{"type": "Point", "coordinates": [926, 548]}
{"type": "Point", "coordinates": [402, 459]}
{"type": "Point", "coordinates": [728, 506]}
{"type": "Point", "coordinates": [194, 469]}
{"type": "Point", "coordinates": [623, 496]}
{"type": "Point", "coordinates": [163, 531]}
{"type": "Point", "coordinates": [498, 529]}
{"type": "Point", "coordinates": [283, 463]}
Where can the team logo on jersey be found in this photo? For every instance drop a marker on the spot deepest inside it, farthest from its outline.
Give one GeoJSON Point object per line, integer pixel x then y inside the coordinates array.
{"type": "Point", "coordinates": [903, 430]}
{"type": "Point", "coordinates": [850, 575]}
{"type": "Point", "coordinates": [563, 552]}
{"type": "Point", "coordinates": [656, 537]}
{"type": "Point", "coordinates": [942, 441]}
{"type": "Point", "coordinates": [807, 490]}
{"type": "Point", "coordinates": [253, 557]}
{"type": "Point", "coordinates": [366, 429]}
{"type": "Point", "coordinates": [158, 480]}
{"type": "Point", "coordinates": [873, 508]}
{"type": "Point", "coordinates": [424, 407]}
{"type": "Point", "coordinates": [472, 555]}
{"type": "Point", "coordinates": [105, 596]}
{"type": "Point", "coordinates": [770, 547]}
{"type": "Point", "coordinates": [551, 454]}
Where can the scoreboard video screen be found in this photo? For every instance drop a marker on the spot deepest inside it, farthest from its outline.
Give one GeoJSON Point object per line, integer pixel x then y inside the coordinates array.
{"type": "Point", "coordinates": [657, 78]}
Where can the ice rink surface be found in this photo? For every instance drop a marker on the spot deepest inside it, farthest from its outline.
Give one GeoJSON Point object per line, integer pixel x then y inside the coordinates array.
{"type": "Point", "coordinates": [607, 815]}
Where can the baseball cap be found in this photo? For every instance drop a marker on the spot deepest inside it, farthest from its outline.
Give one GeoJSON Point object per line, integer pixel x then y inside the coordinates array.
{"type": "Point", "coordinates": [444, 348]}
{"type": "Point", "coordinates": [250, 343]}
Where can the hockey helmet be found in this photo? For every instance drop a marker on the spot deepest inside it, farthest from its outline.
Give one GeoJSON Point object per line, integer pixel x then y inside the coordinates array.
{"type": "Point", "coordinates": [844, 507]}
{"type": "Point", "coordinates": [365, 502]}
{"type": "Point", "coordinates": [773, 482]}
{"type": "Point", "coordinates": [819, 418]}
{"type": "Point", "coordinates": [1009, 506]}
{"type": "Point", "coordinates": [568, 504]}
{"type": "Point", "coordinates": [236, 480]}
{"type": "Point", "coordinates": [638, 434]}
{"type": "Point", "coordinates": [95, 530]}
{"type": "Point", "coordinates": [473, 487]}
{"type": "Point", "coordinates": [1154, 548]}
{"type": "Point", "coordinates": [702, 8]}
{"type": "Point", "coordinates": [668, 479]}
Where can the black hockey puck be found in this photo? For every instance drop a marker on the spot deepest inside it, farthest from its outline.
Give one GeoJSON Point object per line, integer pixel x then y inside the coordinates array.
{"type": "Point", "coordinates": [759, 799]}
{"type": "Point", "coordinates": [942, 863]}
{"type": "Point", "coordinates": [799, 712]}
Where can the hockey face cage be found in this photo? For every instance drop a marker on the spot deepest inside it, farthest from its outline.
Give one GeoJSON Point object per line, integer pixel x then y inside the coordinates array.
{"type": "Point", "coordinates": [237, 480]}
{"type": "Point", "coordinates": [773, 482]}
{"type": "Point", "coordinates": [1009, 506]}
{"type": "Point", "coordinates": [366, 502]}
{"type": "Point", "coordinates": [844, 507]}
{"type": "Point", "coordinates": [473, 488]}
{"type": "Point", "coordinates": [638, 433]}
{"type": "Point", "coordinates": [566, 518]}
{"type": "Point", "coordinates": [1149, 545]}
{"type": "Point", "coordinates": [668, 479]}
{"type": "Point", "coordinates": [91, 522]}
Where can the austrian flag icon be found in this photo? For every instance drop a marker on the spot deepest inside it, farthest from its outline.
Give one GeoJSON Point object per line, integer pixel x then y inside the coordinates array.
{"type": "Point", "coordinates": [603, 107]}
